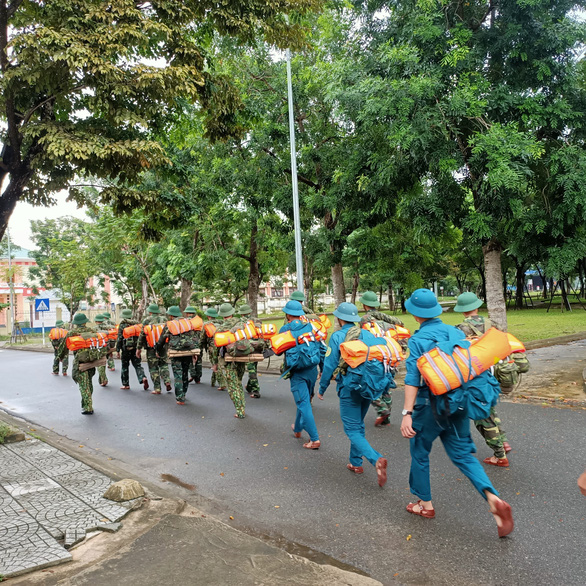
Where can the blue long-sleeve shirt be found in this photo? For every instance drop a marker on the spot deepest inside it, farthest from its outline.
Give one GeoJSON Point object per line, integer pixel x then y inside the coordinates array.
{"type": "Point", "coordinates": [332, 357]}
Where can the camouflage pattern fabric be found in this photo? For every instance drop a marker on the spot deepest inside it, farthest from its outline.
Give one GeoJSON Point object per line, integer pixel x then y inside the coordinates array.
{"type": "Point", "coordinates": [129, 357]}
{"type": "Point", "coordinates": [108, 325]}
{"type": "Point", "coordinates": [195, 370]}
{"type": "Point", "coordinates": [189, 339]}
{"type": "Point", "coordinates": [158, 369]}
{"type": "Point", "coordinates": [252, 386]}
{"type": "Point", "coordinates": [86, 388]}
{"type": "Point", "coordinates": [111, 363]}
{"type": "Point", "coordinates": [234, 374]}
{"type": "Point", "coordinates": [383, 405]}
{"type": "Point", "coordinates": [57, 359]}
{"type": "Point", "coordinates": [103, 379]}
{"type": "Point", "coordinates": [379, 316]}
{"type": "Point", "coordinates": [493, 433]}
{"type": "Point", "coordinates": [121, 342]}
{"type": "Point", "coordinates": [474, 326]}
{"type": "Point", "coordinates": [180, 368]}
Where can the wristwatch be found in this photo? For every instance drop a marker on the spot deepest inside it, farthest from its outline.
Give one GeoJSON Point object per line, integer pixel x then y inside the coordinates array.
{"type": "Point", "coordinates": [405, 412]}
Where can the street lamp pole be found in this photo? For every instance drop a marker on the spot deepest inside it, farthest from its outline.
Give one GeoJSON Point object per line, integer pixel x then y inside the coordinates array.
{"type": "Point", "coordinates": [296, 220]}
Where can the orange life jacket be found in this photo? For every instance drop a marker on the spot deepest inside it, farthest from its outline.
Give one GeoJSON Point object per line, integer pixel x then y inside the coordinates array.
{"type": "Point", "coordinates": [97, 340]}
{"type": "Point", "coordinates": [374, 328]}
{"type": "Point", "coordinates": [355, 352]}
{"type": "Point", "coordinates": [398, 333]}
{"type": "Point", "coordinates": [325, 321]}
{"type": "Point", "coordinates": [516, 344]}
{"type": "Point", "coordinates": [266, 331]}
{"type": "Point", "coordinates": [248, 331]}
{"type": "Point", "coordinates": [113, 334]}
{"type": "Point", "coordinates": [153, 333]}
{"type": "Point", "coordinates": [210, 329]}
{"type": "Point", "coordinates": [132, 331]}
{"type": "Point", "coordinates": [285, 341]}
{"type": "Point", "coordinates": [319, 330]}
{"type": "Point", "coordinates": [196, 323]}
{"type": "Point", "coordinates": [57, 333]}
{"type": "Point", "coordinates": [179, 326]}
{"type": "Point", "coordinates": [443, 372]}
{"type": "Point", "coordinates": [224, 338]}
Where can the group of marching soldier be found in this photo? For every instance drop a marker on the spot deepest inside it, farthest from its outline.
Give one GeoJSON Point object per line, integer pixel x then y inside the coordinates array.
{"type": "Point", "coordinates": [181, 337]}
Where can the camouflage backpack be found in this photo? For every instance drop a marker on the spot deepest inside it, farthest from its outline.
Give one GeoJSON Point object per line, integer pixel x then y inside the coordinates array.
{"type": "Point", "coordinates": [506, 373]}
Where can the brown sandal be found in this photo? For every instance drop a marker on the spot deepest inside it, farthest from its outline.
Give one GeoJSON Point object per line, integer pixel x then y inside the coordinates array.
{"type": "Point", "coordinates": [296, 434]}
{"type": "Point", "coordinates": [312, 445]}
{"type": "Point", "coordinates": [355, 469]}
{"type": "Point", "coordinates": [427, 513]}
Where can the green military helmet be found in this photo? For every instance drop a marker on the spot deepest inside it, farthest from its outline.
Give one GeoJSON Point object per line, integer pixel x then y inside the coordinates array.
{"type": "Point", "coordinates": [99, 318]}
{"type": "Point", "coordinates": [212, 312]}
{"type": "Point", "coordinates": [80, 319]}
{"type": "Point", "coordinates": [190, 309]}
{"type": "Point", "coordinates": [174, 310]}
{"type": "Point", "coordinates": [126, 314]}
{"type": "Point", "coordinates": [369, 299]}
{"type": "Point", "coordinates": [59, 323]}
{"type": "Point", "coordinates": [298, 296]}
{"type": "Point", "coordinates": [226, 310]}
{"type": "Point", "coordinates": [244, 310]}
{"type": "Point", "coordinates": [106, 314]}
{"type": "Point", "coordinates": [467, 302]}
{"type": "Point", "coordinates": [153, 308]}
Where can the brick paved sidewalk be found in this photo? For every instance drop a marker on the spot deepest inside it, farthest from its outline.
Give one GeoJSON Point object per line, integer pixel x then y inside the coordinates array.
{"type": "Point", "coordinates": [48, 501]}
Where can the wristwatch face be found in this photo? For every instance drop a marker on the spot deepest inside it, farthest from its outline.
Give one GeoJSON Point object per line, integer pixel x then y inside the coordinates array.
{"type": "Point", "coordinates": [405, 412]}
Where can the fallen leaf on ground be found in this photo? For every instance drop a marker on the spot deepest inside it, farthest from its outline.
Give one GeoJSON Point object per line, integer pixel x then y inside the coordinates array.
{"type": "Point", "coordinates": [408, 537]}
{"type": "Point", "coordinates": [231, 517]}
{"type": "Point", "coordinates": [265, 445]}
{"type": "Point", "coordinates": [221, 474]}
{"type": "Point", "coordinates": [81, 446]}
{"type": "Point", "coordinates": [277, 506]}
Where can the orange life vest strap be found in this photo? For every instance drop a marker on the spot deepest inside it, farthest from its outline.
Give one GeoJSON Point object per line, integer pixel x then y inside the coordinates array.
{"type": "Point", "coordinates": [196, 323]}
{"type": "Point", "coordinates": [179, 326]}
{"type": "Point", "coordinates": [153, 333]}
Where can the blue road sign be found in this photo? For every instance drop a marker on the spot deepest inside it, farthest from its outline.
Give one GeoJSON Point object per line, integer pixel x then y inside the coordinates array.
{"type": "Point", "coordinates": [42, 304]}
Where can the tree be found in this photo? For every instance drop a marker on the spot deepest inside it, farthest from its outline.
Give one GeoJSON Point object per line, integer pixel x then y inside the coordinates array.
{"type": "Point", "coordinates": [84, 84]}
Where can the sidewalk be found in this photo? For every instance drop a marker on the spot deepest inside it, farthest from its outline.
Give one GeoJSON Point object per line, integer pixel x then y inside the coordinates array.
{"type": "Point", "coordinates": [50, 501]}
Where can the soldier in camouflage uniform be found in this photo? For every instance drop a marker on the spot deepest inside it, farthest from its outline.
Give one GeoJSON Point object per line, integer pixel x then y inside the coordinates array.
{"type": "Point", "coordinates": [491, 429]}
{"type": "Point", "coordinates": [102, 378]}
{"type": "Point", "coordinates": [57, 359]}
{"type": "Point", "coordinates": [109, 324]}
{"type": "Point", "coordinates": [158, 367]}
{"type": "Point", "coordinates": [252, 386]}
{"type": "Point", "coordinates": [234, 371]}
{"type": "Point", "coordinates": [370, 302]}
{"type": "Point", "coordinates": [179, 364]}
{"type": "Point", "coordinates": [195, 369]}
{"type": "Point", "coordinates": [127, 350]}
{"type": "Point", "coordinates": [207, 343]}
{"type": "Point", "coordinates": [83, 379]}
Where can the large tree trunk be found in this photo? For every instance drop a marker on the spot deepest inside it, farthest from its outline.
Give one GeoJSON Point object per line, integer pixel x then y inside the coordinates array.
{"type": "Point", "coordinates": [254, 273]}
{"type": "Point", "coordinates": [495, 301]}
{"type": "Point", "coordinates": [141, 310]}
{"type": "Point", "coordinates": [520, 279]}
{"type": "Point", "coordinates": [355, 284]}
{"type": "Point", "coordinates": [391, 295]}
{"type": "Point", "coordinates": [565, 301]}
{"type": "Point", "coordinates": [186, 291]}
{"type": "Point", "coordinates": [338, 283]}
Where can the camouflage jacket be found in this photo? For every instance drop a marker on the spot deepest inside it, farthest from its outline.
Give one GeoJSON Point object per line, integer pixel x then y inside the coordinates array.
{"type": "Point", "coordinates": [380, 317]}
{"type": "Point", "coordinates": [474, 326]}
{"type": "Point", "coordinates": [192, 337]}
{"type": "Point", "coordinates": [151, 319]}
{"type": "Point", "coordinates": [120, 341]}
{"type": "Point", "coordinates": [63, 350]}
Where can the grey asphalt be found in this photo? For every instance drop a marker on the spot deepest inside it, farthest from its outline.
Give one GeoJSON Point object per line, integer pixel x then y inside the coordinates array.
{"type": "Point", "coordinates": [256, 472]}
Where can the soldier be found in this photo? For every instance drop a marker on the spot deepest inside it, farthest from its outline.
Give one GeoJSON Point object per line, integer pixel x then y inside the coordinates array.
{"type": "Point", "coordinates": [108, 323]}
{"type": "Point", "coordinates": [370, 302]}
{"type": "Point", "coordinates": [83, 379]}
{"type": "Point", "coordinates": [233, 371]}
{"type": "Point", "coordinates": [127, 350]}
{"type": "Point", "coordinates": [207, 343]}
{"type": "Point", "coordinates": [103, 379]}
{"type": "Point", "coordinates": [195, 369]}
{"type": "Point", "coordinates": [55, 337]}
{"type": "Point", "coordinates": [300, 296]}
{"type": "Point", "coordinates": [252, 386]}
{"type": "Point", "coordinates": [158, 367]}
{"type": "Point", "coordinates": [490, 429]}
{"type": "Point", "coordinates": [179, 364]}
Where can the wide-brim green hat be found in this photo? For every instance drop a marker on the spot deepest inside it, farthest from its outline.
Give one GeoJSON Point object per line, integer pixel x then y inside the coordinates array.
{"type": "Point", "coordinates": [58, 323]}
{"type": "Point", "coordinates": [126, 313]}
{"type": "Point", "coordinates": [175, 311]}
{"type": "Point", "coordinates": [293, 308]}
{"type": "Point", "coordinates": [347, 312]}
{"type": "Point", "coordinates": [423, 303]}
{"type": "Point", "coordinates": [80, 319]}
{"type": "Point", "coordinates": [369, 299]}
{"type": "Point", "coordinates": [99, 318]}
{"type": "Point", "coordinates": [153, 308]}
{"type": "Point", "coordinates": [467, 302]}
{"type": "Point", "coordinates": [212, 312]}
{"type": "Point", "coordinates": [190, 309]}
{"type": "Point", "coordinates": [106, 315]}
{"type": "Point", "coordinates": [244, 310]}
{"type": "Point", "coordinates": [226, 310]}
{"type": "Point", "coordinates": [298, 296]}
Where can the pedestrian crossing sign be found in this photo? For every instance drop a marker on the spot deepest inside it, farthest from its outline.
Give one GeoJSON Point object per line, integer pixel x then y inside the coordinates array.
{"type": "Point", "coordinates": [42, 304]}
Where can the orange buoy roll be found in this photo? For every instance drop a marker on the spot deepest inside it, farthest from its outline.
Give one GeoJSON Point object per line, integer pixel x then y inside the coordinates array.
{"type": "Point", "coordinates": [398, 333]}
{"type": "Point", "coordinates": [248, 331]}
{"type": "Point", "coordinates": [57, 333]}
{"type": "Point", "coordinates": [374, 328]}
{"type": "Point", "coordinates": [266, 331]}
{"type": "Point", "coordinates": [516, 344]}
{"type": "Point", "coordinates": [196, 323]}
{"type": "Point", "coordinates": [179, 326]}
{"type": "Point", "coordinates": [132, 331]}
{"type": "Point", "coordinates": [282, 342]}
{"type": "Point", "coordinates": [325, 320]}
{"type": "Point", "coordinates": [153, 333]}
{"type": "Point", "coordinates": [224, 338]}
{"type": "Point", "coordinates": [443, 372]}
{"type": "Point", "coordinates": [210, 329]}
{"type": "Point", "coordinates": [355, 352]}
{"type": "Point", "coordinates": [113, 334]}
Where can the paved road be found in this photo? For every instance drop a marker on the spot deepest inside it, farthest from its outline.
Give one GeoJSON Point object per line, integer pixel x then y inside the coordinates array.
{"type": "Point", "coordinates": [258, 473]}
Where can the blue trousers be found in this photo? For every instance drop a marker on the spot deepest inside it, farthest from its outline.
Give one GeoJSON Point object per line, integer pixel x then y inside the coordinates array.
{"type": "Point", "coordinates": [302, 383]}
{"type": "Point", "coordinates": [353, 410]}
{"type": "Point", "coordinates": [455, 436]}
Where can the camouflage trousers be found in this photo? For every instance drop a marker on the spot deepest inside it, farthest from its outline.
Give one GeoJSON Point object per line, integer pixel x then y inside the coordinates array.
{"type": "Point", "coordinates": [221, 375]}
{"type": "Point", "coordinates": [491, 429]}
{"type": "Point", "coordinates": [103, 379]}
{"type": "Point", "coordinates": [195, 370]}
{"type": "Point", "coordinates": [180, 368]}
{"type": "Point", "coordinates": [129, 356]}
{"type": "Point", "coordinates": [252, 386]}
{"type": "Point", "coordinates": [111, 365]}
{"type": "Point", "coordinates": [86, 388]}
{"type": "Point", "coordinates": [158, 369]}
{"type": "Point", "coordinates": [234, 374]}
{"type": "Point", "coordinates": [383, 404]}
{"type": "Point", "coordinates": [64, 364]}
